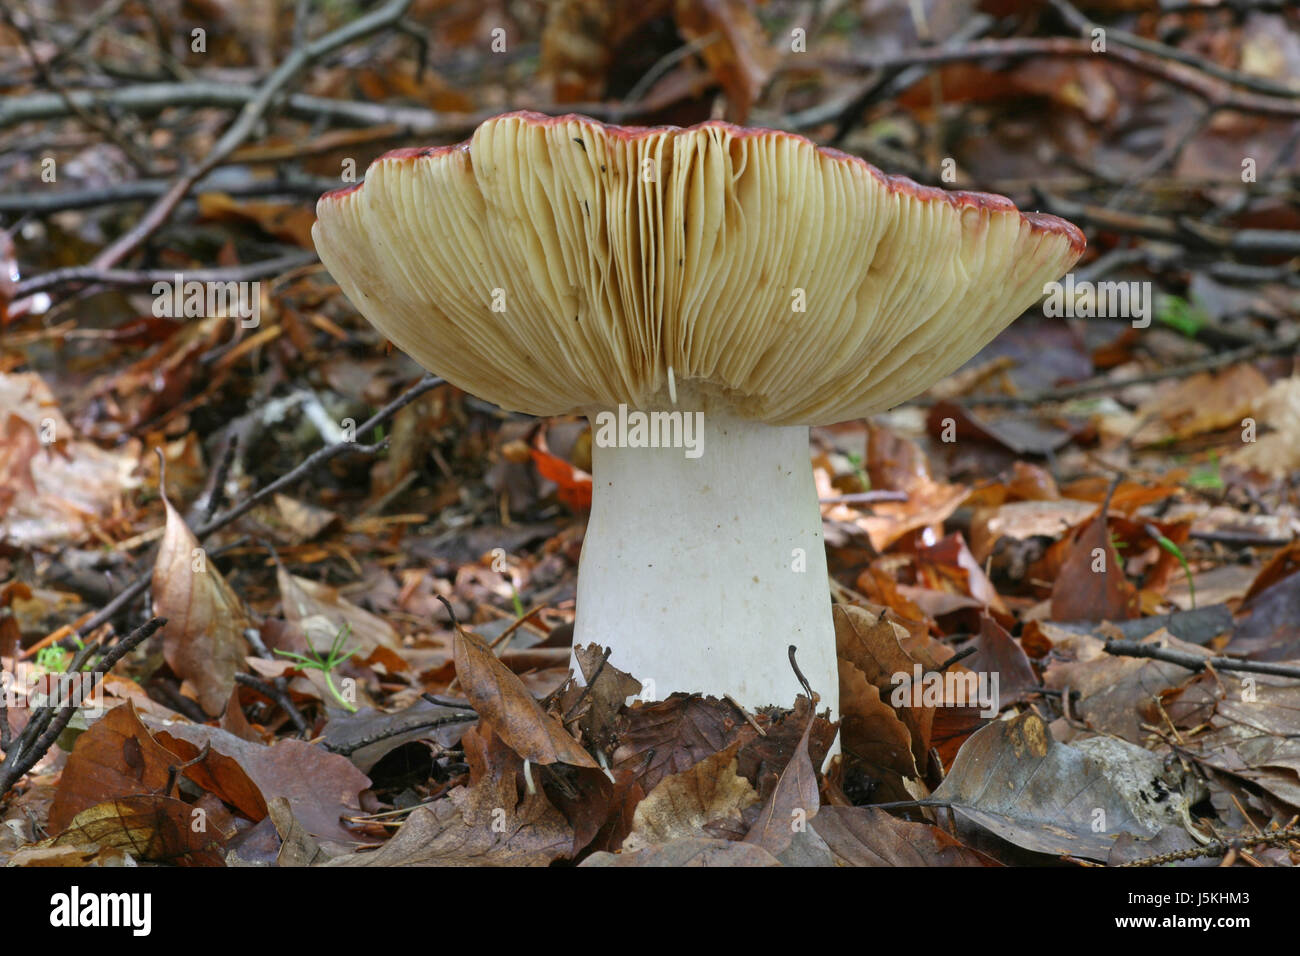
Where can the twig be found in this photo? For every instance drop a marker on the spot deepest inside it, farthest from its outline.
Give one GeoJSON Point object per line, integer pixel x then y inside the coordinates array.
{"type": "Point", "coordinates": [147, 277]}
{"type": "Point", "coordinates": [1209, 88]}
{"type": "Point", "coordinates": [44, 727]}
{"type": "Point", "coordinates": [1082, 24]}
{"type": "Point", "coordinates": [1195, 662]}
{"type": "Point", "coordinates": [442, 720]}
{"type": "Point", "coordinates": [217, 496]}
{"type": "Point", "coordinates": [27, 203]}
{"type": "Point", "coordinates": [323, 455]}
{"type": "Point", "coordinates": [1185, 231]}
{"type": "Point", "coordinates": [282, 699]}
{"type": "Point", "coordinates": [1219, 847]}
{"type": "Point", "coordinates": [153, 97]}
{"type": "Point", "coordinates": [242, 127]}
{"type": "Point", "coordinates": [315, 460]}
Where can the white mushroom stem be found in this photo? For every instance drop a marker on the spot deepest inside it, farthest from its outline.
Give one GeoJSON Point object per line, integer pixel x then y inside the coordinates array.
{"type": "Point", "coordinates": [700, 572]}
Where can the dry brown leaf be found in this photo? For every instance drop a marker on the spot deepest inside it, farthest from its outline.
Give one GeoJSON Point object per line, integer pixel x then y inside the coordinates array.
{"type": "Point", "coordinates": [321, 787]}
{"type": "Point", "coordinates": [203, 641]}
{"type": "Point", "coordinates": [1276, 449]}
{"type": "Point", "coordinates": [502, 700]}
{"type": "Point", "coordinates": [1091, 585]}
{"type": "Point", "coordinates": [871, 643]}
{"type": "Point", "coordinates": [689, 851]}
{"type": "Point", "coordinates": [739, 58]}
{"type": "Point", "coordinates": [149, 827]}
{"type": "Point", "coordinates": [485, 824]}
{"type": "Point", "coordinates": [116, 757]}
{"type": "Point", "coordinates": [1202, 403]}
{"type": "Point", "coordinates": [793, 803]}
{"type": "Point", "coordinates": [865, 836]}
{"type": "Point", "coordinates": [872, 733]}
{"type": "Point", "coordinates": [320, 612]}
{"type": "Point", "coordinates": [680, 806]}
{"type": "Point", "coordinates": [670, 736]}
{"type": "Point", "coordinates": [599, 713]}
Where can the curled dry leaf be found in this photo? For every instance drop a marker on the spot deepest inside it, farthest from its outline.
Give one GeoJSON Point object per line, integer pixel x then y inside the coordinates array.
{"type": "Point", "coordinates": [793, 803]}
{"type": "Point", "coordinates": [599, 705]}
{"type": "Point", "coordinates": [502, 700]}
{"type": "Point", "coordinates": [203, 641]}
{"type": "Point", "coordinates": [873, 736]}
{"type": "Point", "coordinates": [871, 643]}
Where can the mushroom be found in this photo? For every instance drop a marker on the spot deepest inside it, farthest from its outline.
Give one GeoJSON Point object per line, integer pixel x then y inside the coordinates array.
{"type": "Point", "coordinates": [712, 291]}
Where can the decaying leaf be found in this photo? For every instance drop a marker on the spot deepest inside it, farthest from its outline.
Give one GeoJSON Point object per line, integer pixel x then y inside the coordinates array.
{"type": "Point", "coordinates": [689, 851]}
{"type": "Point", "coordinates": [503, 701]}
{"type": "Point", "coordinates": [792, 804]}
{"type": "Point", "coordinates": [149, 827]}
{"type": "Point", "coordinates": [865, 836]}
{"type": "Point", "coordinates": [116, 757]}
{"type": "Point", "coordinates": [681, 804]}
{"type": "Point", "coordinates": [203, 640]}
{"type": "Point", "coordinates": [1013, 779]}
{"type": "Point", "coordinates": [488, 823]}
{"type": "Point", "coordinates": [1091, 585]}
{"type": "Point", "coordinates": [670, 736]}
{"type": "Point", "coordinates": [321, 787]}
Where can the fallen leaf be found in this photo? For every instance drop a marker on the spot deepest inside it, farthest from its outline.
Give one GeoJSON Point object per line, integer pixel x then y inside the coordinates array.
{"type": "Point", "coordinates": [149, 827]}
{"type": "Point", "coordinates": [1013, 779]}
{"type": "Point", "coordinates": [485, 824]}
{"type": "Point", "coordinates": [116, 757]}
{"type": "Point", "coordinates": [689, 851]}
{"type": "Point", "coordinates": [681, 804]}
{"type": "Point", "coordinates": [502, 701]}
{"type": "Point", "coordinates": [321, 787]}
{"type": "Point", "coordinates": [792, 804]}
{"type": "Point", "coordinates": [203, 640]}
{"type": "Point", "coordinates": [865, 836]}
{"type": "Point", "coordinates": [1091, 585]}
{"type": "Point", "coordinates": [670, 736]}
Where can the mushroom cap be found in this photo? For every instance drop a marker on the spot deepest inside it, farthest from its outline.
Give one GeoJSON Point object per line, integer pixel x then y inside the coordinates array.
{"type": "Point", "coordinates": [559, 264]}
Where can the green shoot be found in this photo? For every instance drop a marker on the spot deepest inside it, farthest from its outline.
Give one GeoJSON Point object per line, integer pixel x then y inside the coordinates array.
{"type": "Point", "coordinates": [1177, 552]}
{"type": "Point", "coordinates": [326, 663]}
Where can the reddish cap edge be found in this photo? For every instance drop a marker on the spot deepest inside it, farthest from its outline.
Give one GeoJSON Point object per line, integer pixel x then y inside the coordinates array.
{"type": "Point", "coordinates": [1038, 221]}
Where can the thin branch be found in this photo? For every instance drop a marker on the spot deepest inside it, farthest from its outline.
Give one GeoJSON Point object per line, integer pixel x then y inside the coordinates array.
{"type": "Point", "coordinates": [1209, 88]}
{"type": "Point", "coordinates": [147, 277]}
{"type": "Point", "coordinates": [243, 125]}
{"type": "Point", "coordinates": [25, 203]}
{"type": "Point", "coordinates": [44, 727]}
{"type": "Point", "coordinates": [1197, 662]}
{"type": "Point", "coordinates": [155, 97]}
{"type": "Point", "coordinates": [1097, 386]}
{"type": "Point", "coordinates": [1083, 25]}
